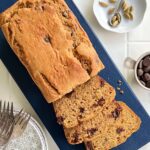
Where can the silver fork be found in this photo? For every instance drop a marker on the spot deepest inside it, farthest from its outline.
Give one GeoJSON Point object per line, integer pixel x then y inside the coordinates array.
{"type": "Point", "coordinates": [6, 122]}
{"type": "Point", "coordinates": [21, 120]}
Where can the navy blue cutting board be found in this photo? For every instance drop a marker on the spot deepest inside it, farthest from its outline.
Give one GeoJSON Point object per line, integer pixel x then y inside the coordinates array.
{"type": "Point", "coordinates": [45, 111]}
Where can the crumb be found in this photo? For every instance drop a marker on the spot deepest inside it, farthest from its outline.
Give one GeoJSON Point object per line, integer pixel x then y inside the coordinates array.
{"type": "Point", "coordinates": [121, 92]}
{"type": "Point", "coordinates": [118, 88]}
{"type": "Point", "coordinates": [119, 82]}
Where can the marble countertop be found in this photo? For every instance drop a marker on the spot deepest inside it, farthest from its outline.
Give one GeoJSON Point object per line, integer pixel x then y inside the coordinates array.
{"type": "Point", "coordinates": [119, 46]}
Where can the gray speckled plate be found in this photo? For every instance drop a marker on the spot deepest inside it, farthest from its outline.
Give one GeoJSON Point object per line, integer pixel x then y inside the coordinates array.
{"type": "Point", "coordinates": [33, 138]}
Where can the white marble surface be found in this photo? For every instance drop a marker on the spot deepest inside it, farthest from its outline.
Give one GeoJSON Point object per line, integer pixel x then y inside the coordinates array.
{"type": "Point", "coordinates": [119, 46]}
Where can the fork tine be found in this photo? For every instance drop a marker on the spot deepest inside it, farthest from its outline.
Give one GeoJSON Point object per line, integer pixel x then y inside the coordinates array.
{"type": "Point", "coordinates": [3, 127]}
{"type": "Point", "coordinates": [26, 121]}
{"type": "Point", "coordinates": [7, 110]}
{"type": "Point", "coordinates": [11, 110]}
{"type": "Point", "coordinates": [0, 108]}
{"type": "Point", "coordinates": [10, 130]}
{"type": "Point", "coordinates": [4, 118]}
{"type": "Point", "coordinates": [10, 127]}
{"type": "Point", "coordinates": [18, 116]}
{"type": "Point", "coordinates": [22, 118]}
{"type": "Point", "coordinates": [0, 105]}
{"type": "Point", "coordinates": [4, 109]}
{"type": "Point", "coordinates": [6, 127]}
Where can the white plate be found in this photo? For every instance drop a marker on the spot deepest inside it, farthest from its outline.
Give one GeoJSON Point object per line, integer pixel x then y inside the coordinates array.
{"type": "Point", "coordinates": [102, 16]}
{"type": "Point", "coordinates": [33, 138]}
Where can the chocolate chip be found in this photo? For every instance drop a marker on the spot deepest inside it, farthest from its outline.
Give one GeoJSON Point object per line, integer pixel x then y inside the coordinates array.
{"type": "Point", "coordinates": [80, 116]}
{"type": "Point", "coordinates": [65, 14]}
{"type": "Point", "coordinates": [81, 110]}
{"type": "Point", "coordinates": [119, 130]}
{"type": "Point", "coordinates": [72, 32]}
{"type": "Point", "coordinates": [107, 108]}
{"type": "Point", "coordinates": [29, 4]}
{"type": "Point", "coordinates": [140, 64]}
{"type": "Point", "coordinates": [119, 108]}
{"type": "Point", "coordinates": [143, 82]}
{"type": "Point", "coordinates": [147, 69]}
{"type": "Point", "coordinates": [18, 21]}
{"type": "Point", "coordinates": [116, 112]}
{"type": "Point", "coordinates": [21, 5]}
{"type": "Point", "coordinates": [102, 83]}
{"type": "Point", "coordinates": [147, 77]}
{"type": "Point", "coordinates": [40, 8]}
{"type": "Point", "coordinates": [100, 102]}
{"type": "Point", "coordinates": [91, 131]}
{"type": "Point", "coordinates": [47, 39]}
{"type": "Point", "coordinates": [142, 78]}
{"type": "Point", "coordinates": [146, 61]}
{"type": "Point", "coordinates": [60, 120]}
{"type": "Point", "coordinates": [75, 138]}
{"type": "Point", "coordinates": [140, 72]}
{"type": "Point", "coordinates": [147, 57]}
{"type": "Point", "coordinates": [89, 146]}
{"type": "Point", "coordinates": [148, 84]}
{"type": "Point", "coordinates": [75, 44]}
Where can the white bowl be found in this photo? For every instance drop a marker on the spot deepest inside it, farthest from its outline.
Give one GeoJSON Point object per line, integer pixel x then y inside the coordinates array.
{"type": "Point", "coordinates": [102, 16]}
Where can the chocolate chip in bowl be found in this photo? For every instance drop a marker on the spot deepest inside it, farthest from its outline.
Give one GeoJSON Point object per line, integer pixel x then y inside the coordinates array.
{"type": "Point", "coordinates": [143, 71]}
{"type": "Point", "coordinates": [141, 68]}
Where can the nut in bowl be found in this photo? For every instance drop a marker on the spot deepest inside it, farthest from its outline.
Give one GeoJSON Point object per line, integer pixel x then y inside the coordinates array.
{"type": "Point", "coordinates": [131, 12]}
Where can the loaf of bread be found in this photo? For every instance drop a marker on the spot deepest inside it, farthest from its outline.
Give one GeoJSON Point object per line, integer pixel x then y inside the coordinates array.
{"type": "Point", "coordinates": [84, 102]}
{"type": "Point", "coordinates": [114, 124]}
{"type": "Point", "coordinates": [51, 44]}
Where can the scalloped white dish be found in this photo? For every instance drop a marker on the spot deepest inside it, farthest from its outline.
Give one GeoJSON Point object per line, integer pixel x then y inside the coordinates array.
{"type": "Point", "coordinates": [102, 16]}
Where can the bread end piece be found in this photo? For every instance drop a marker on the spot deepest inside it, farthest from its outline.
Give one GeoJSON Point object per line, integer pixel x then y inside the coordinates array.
{"type": "Point", "coordinates": [118, 132]}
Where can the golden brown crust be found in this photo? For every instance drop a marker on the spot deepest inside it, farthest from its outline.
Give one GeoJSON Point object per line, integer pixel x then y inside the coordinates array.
{"type": "Point", "coordinates": [1, 20]}
{"type": "Point", "coordinates": [51, 44]}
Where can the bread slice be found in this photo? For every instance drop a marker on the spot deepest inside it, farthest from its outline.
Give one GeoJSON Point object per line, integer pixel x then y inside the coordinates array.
{"type": "Point", "coordinates": [109, 128]}
{"type": "Point", "coordinates": [118, 131]}
{"type": "Point", "coordinates": [84, 102]}
{"type": "Point", "coordinates": [51, 44]}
